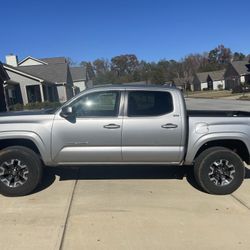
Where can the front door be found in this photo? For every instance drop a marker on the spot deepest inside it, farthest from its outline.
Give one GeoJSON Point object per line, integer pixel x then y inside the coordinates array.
{"type": "Point", "coordinates": [210, 85]}
{"type": "Point", "coordinates": [152, 128]}
{"type": "Point", "coordinates": [93, 134]}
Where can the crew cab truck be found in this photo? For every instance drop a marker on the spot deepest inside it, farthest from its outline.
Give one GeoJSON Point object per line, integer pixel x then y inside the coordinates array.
{"type": "Point", "coordinates": [125, 125]}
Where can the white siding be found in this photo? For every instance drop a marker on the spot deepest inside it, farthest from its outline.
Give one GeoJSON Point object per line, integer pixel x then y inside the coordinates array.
{"type": "Point", "coordinates": [242, 79]}
{"type": "Point", "coordinates": [203, 85]}
{"type": "Point", "coordinates": [81, 85]}
{"type": "Point", "coordinates": [192, 87]}
{"type": "Point", "coordinates": [216, 83]}
{"type": "Point", "coordinates": [62, 95]}
{"type": "Point", "coordinates": [30, 62]}
{"type": "Point", "coordinates": [23, 81]}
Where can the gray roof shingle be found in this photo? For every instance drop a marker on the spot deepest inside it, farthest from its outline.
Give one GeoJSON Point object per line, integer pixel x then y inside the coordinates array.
{"type": "Point", "coordinates": [54, 60]}
{"type": "Point", "coordinates": [202, 76]}
{"type": "Point", "coordinates": [20, 69]}
{"type": "Point", "coordinates": [215, 75]}
{"type": "Point", "coordinates": [52, 72]}
{"type": "Point", "coordinates": [241, 67]}
{"type": "Point", "coordinates": [78, 73]}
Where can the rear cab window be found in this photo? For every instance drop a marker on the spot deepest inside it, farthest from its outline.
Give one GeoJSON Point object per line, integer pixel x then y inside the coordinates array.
{"type": "Point", "coordinates": [149, 103]}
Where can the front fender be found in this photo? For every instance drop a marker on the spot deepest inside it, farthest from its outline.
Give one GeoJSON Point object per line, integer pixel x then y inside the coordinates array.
{"type": "Point", "coordinates": [35, 138]}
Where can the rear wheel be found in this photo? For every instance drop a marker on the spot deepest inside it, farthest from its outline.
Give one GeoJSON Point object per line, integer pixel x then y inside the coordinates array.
{"type": "Point", "coordinates": [20, 171]}
{"type": "Point", "coordinates": [219, 170]}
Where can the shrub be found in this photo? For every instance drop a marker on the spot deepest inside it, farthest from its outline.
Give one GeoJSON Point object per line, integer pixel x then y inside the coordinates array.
{"type": "Point", "coordinates": [237, 89]}
{"type": "Point", "coordinates": [34, 105]}
{"type": "Point", "coordinates": [16, 107]}
{"type": "Point", "coordinates": [220, 87]}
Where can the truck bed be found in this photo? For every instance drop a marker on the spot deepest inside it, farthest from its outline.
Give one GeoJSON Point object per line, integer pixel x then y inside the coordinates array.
{"type": "Point", "coordinates": [217, 113]}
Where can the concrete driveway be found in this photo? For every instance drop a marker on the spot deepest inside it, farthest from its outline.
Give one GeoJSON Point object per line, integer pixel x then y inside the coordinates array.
{"type": "Point", "coordinates": [125, 207]}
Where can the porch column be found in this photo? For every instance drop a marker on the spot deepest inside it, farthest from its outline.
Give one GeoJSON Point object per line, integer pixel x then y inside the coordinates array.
{"type": "Point", "coordinates": [41, 91]}
{"type": "Point", "coordinates": [53, 92]}
{"type": "Point", "coordinates": [47, 93]}
{"type": "Point", "coordinates": [66, 92]}
{"type": "Point", "coordinates": [5, 91]}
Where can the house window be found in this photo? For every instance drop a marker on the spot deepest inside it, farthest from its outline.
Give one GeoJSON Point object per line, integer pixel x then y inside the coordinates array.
{"type": "Point", "coordinates": [33, 93]}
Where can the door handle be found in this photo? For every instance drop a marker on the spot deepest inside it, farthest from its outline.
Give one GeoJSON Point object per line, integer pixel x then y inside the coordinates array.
{"type": "Point", "coordinates": [112, 126]}
{"type": "Point", "coordinates": [169, 125]}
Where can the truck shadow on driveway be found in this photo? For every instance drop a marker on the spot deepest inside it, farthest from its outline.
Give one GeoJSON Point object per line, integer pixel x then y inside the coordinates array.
{"type": "Point", "coordinates": [120, 172]}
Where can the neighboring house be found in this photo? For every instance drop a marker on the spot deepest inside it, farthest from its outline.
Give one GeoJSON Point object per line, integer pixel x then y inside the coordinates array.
{"type": "Point", "coordinates": [213, 80]}
{"type": "Point", "coordinates": [54, 69]}
{"type": "Point", "coordinates": [184, 83]}
{"type": "Point", "coordinates": [52, 73]}
{"type": "Point", "coordinates": [26, 87]}
{"type": "Point", "coordinates": [80, 79]}
{"type": "Point", "coordinates": [237, 73]}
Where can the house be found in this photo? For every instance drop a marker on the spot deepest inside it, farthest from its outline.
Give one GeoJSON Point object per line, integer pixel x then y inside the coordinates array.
{"type": "Point", "coordinates": [237, 73]}
{"type": "Point", "coordinates": [55, 69]}
{"type": "Point", "coordinates": [184, 83]}
{"type": "Point", "coordinates": [46, 79]}
{"type": "Point", "coordinates": [80, 79]}
{"type": "Point", "coordinates": [25, 87]}
{"type": "Point", "coordinates": [213, 80]}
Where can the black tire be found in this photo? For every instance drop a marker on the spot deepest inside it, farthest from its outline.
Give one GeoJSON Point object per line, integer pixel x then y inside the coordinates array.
{"type": "Point", "coordinates": [23, 167]}
{"type": "Point", "coordinates": [219, 170]}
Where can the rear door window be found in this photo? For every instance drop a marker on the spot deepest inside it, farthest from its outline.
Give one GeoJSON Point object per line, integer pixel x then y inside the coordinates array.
{"type": "Point", "coordinates": [149, 103]}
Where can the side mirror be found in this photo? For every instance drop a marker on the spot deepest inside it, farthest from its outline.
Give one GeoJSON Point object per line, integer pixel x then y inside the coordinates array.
{"type": "Point", "coordinates": [67, 112]}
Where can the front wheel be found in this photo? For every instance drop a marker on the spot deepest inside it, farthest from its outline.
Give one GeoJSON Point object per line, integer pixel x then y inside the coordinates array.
{"type": "Point", "coordinates": [219, 170]}
{"type": "Point", "coordinates": [20, 171]}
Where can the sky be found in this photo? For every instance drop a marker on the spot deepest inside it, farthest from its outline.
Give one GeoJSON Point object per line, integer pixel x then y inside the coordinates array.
{"type": "Point", "coordinates": [150, 29]}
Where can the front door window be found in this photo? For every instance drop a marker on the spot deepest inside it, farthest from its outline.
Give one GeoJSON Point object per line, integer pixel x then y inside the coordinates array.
{"type": "Point", "coordinates": [100, 104]}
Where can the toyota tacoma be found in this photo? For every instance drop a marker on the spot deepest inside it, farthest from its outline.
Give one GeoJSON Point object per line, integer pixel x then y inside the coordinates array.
{"type": "Point", "coordinates": [125, 125]}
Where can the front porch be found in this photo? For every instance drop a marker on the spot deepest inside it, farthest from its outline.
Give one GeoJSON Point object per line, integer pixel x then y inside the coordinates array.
{"type": "Point", "coordinates": [41, 93]}
{"type": "Point", "coordinates": [13, 93]}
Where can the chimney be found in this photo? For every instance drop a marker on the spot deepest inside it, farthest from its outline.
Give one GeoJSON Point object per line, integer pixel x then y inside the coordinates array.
{"type": "Point", "coordinates": [12, 60]}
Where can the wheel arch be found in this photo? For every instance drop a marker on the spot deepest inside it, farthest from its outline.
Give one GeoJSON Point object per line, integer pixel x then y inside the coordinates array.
{"type": "Point", "coordinates": [29, 140]}
{"type": "Point", "coordinates": [236, 145]}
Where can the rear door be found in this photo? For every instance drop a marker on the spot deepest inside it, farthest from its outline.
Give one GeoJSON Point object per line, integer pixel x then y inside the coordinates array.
{"type": "Point", "coordinates": [151, 128]}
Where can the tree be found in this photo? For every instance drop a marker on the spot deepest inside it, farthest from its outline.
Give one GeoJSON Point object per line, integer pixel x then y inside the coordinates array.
{"type": "Point", "coordinates": [101, 66]}
{"type": "Point", "coordinates": [90, 71]}
{"type": "Point", "coordinates": [158, 73]}
{"type": "Point", "coordinates": [127, 68]}
{"type": "Point", "coordinates": [220, 55]}
{"type": "Point", "coordinates": [124, 64]}
{"type": "Point", "coordinates": [70, 61]}
{"type": "Point", "coordinates": [238, 56]}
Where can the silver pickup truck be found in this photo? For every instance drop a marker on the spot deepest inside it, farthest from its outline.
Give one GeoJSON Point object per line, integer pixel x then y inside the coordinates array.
{"type": "Point", "coordinates": [125, 125]}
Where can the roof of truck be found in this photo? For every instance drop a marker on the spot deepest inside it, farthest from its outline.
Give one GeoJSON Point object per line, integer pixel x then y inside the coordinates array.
{"type": "Point", "coordinates": [131, 86]}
